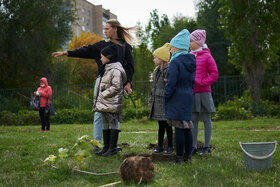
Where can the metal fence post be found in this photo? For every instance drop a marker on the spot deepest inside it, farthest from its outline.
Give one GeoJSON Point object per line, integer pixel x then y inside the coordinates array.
{"type": "Point", "coordinates": [225, 90]}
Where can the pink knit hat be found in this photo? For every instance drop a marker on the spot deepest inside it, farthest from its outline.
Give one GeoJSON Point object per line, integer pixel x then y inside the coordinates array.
{"type": "Point", "coordinates": [199, 36]}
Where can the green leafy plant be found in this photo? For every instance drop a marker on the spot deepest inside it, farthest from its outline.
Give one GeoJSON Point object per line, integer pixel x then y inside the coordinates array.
{"type": "Point", "coordinates": [76, 156]}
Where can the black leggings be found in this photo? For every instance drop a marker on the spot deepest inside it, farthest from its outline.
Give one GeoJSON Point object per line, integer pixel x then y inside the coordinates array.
{"type": "Point", "coordinates": [162, 125]}
{"type": "Point", "coordinates": [45, 119]}
{"type": "Point", "coordinates": [183, 141]}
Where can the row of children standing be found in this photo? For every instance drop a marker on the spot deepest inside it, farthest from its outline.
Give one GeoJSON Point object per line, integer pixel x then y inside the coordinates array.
{"type": "Point", "coordinates": [172, 96]}
{"type": "Point", "coordinates": [181, 89]}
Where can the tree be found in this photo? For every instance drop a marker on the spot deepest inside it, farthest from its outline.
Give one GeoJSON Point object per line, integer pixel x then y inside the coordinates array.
{"type": "Point", "coordinates": [253, 27]}
{"type": "Point", "coordinates": [84, 70]}
{"type": "Point", "coordinates": [30, 30]}
{"type": "Point", "coordinates": [207, 19]}
{"type": "Point", "coordinates": [158, 31]}
{"type": "Point", "coordinates": [154, 27]}
{"type": "Point", "coordinates": [60, 73]}
{"type": "Point", "coordinates": [143, 57]}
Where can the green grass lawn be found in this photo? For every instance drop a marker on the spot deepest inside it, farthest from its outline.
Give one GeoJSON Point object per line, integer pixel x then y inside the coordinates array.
{"type": "Point", "coordinates": [23, 150]}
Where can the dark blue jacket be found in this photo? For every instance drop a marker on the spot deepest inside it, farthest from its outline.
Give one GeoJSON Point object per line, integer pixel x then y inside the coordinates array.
{"type": "Point", "coordinates": [178, 94]}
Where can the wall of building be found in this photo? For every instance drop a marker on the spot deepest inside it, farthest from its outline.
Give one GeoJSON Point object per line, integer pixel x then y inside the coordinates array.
{"type": "Point", "coordinates": [90, 18]}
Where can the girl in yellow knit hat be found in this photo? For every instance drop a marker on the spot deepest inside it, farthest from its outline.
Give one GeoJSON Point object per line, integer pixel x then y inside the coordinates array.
{"type": "Point", "coordinates": [156, 102]}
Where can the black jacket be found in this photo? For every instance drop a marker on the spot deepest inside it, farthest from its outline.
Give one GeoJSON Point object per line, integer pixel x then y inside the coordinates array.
{"type": "Point", "coordinates": [93, 52]}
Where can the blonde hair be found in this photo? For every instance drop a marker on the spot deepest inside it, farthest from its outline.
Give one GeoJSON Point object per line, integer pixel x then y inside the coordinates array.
{"type": "Point", "coordinates": [123, 32]}
{"type": "Point", "coordinates": [157, 67]}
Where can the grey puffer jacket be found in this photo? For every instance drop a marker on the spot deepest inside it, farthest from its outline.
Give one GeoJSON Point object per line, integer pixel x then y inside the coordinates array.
{"type": "Point", "coordinates": [157, 93]}
{"type": "Point", "coordinates": [109, 92]}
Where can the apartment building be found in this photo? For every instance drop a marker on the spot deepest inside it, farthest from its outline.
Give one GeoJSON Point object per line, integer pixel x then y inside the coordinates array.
{"type": "Point", "coordinates": [91, 18]}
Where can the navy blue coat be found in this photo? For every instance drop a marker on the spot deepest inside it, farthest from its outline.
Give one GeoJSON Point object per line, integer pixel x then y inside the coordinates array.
{"type": "Point", "coordinates": [178, 94]}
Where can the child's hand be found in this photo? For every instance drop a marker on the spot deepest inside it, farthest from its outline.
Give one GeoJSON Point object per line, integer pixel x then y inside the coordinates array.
{"type": "Point", "coordinates": [149, 105]}
{"type": "Point", "coordinates": [128, 88]}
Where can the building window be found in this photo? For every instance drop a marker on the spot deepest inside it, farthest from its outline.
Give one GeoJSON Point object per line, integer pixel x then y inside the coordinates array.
{"type": "Point", "coordinates": [83, 10]}
{"type": "Point", "coordinates": [88, 22]}
{"type": "Point", "coordinates": [88, 29]}
{"type": "Point", "coordinates": [83, 19]}
{"type": "Point", "coordinates": [83, 28]}
{"type": "Point", "coordinates": [88, 13]}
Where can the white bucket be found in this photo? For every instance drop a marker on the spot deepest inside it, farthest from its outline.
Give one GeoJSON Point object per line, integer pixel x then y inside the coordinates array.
{"type": "Point", "coordinates": [258, 155]}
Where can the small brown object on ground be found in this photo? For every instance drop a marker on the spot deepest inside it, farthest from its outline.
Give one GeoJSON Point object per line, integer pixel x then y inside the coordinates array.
{"type": "Point", "coordinates": [139, 169]}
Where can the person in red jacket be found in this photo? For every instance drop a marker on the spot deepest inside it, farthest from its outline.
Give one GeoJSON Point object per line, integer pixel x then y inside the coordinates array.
{"type": "Point", "coordinates": [45, 93]}
{"type": "Point", "coordinates": [206, 75]}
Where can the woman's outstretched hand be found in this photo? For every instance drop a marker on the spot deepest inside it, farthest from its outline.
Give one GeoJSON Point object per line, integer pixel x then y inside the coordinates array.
{"type": "Point", "coordinates": [58, 54]}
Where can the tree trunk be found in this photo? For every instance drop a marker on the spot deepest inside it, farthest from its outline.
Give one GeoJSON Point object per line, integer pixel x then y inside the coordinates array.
{"type": "Point", "coordinates": [254, 77]}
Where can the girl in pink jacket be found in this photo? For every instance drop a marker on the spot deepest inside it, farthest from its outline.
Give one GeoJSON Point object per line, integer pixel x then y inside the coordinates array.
{"type": "Point", "coordinates": [45, 93]}
{"type": "Point", "coordinates": [206, 75]}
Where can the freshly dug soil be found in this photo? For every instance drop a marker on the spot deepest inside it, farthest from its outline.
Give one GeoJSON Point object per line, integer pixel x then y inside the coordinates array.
{"type": "Point", "coordinates": [137, 168]}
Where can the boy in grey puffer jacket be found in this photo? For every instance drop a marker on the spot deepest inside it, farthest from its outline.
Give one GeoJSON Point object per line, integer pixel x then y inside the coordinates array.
{"type": "Point", "coordinates": [108, 99]}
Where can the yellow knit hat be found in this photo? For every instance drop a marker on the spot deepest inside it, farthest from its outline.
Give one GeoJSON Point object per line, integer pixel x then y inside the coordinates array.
{"type": "Point", "coordinates": [163, 52]}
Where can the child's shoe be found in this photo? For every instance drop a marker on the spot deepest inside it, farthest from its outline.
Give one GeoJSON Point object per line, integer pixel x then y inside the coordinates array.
{"type": "Point", "coordinates": [205, 150]}
{"type": "Point", "coordinates": [168, 151]}
{"type": "Point", "coordinates": [177, 160]}
{"type": "Point", "coordinates": [47, 130]}
{"type": "Point", "coordinates": [194, 150]}
{"type": "Point", "coordinates": [159, 149]}
{"type": "Point", "coordinates": [42, 130]}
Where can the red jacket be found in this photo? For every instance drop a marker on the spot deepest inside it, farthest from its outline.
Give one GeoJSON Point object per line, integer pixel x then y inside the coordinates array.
{"type": "Point", "coordinates": [46, 93]}
{"type": "Point", "coordinates": [206, 71]}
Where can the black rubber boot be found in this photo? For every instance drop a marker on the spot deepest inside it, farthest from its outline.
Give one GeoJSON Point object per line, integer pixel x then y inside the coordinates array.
{"type": "Point", "coordinates": [113, 143]}
{"type": "Point", "coordinates": [106, 142]}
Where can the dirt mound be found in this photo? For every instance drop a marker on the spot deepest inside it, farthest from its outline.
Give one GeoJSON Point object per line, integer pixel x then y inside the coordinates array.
{"type": "Point", "coordinates": [137, 168]}
{"type": "Point", "coordinates": [162, 158]}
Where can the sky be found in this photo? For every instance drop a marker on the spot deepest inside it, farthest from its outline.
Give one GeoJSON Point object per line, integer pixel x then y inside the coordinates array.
{"type": "Point", "coordinates": [129, 12]}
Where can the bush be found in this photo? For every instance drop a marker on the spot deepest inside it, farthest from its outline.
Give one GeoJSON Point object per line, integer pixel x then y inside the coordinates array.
{"type": "Point", "coordinates": [232, 113]}
{"type": "Point", "coordinates": [8, 118]}
{"type": "Point", "coordinates": [65, 116]}
{"type": "Point", "coordinates": [71, 116]}
{"type": "Point", "coordinates": [27, 117]}
{"type": "Point", "coordinates": [132, 113]}
{"type": "Point", "coordinates": [245, 108]}
{"type": "Point", "coordinates": [274, 110]}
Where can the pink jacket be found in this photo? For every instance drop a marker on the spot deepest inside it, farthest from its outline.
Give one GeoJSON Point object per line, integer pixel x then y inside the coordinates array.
{"type": "Point", "coordinates": [206, 71]}
{"type": "Point", "coordinates": [46, 92]}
